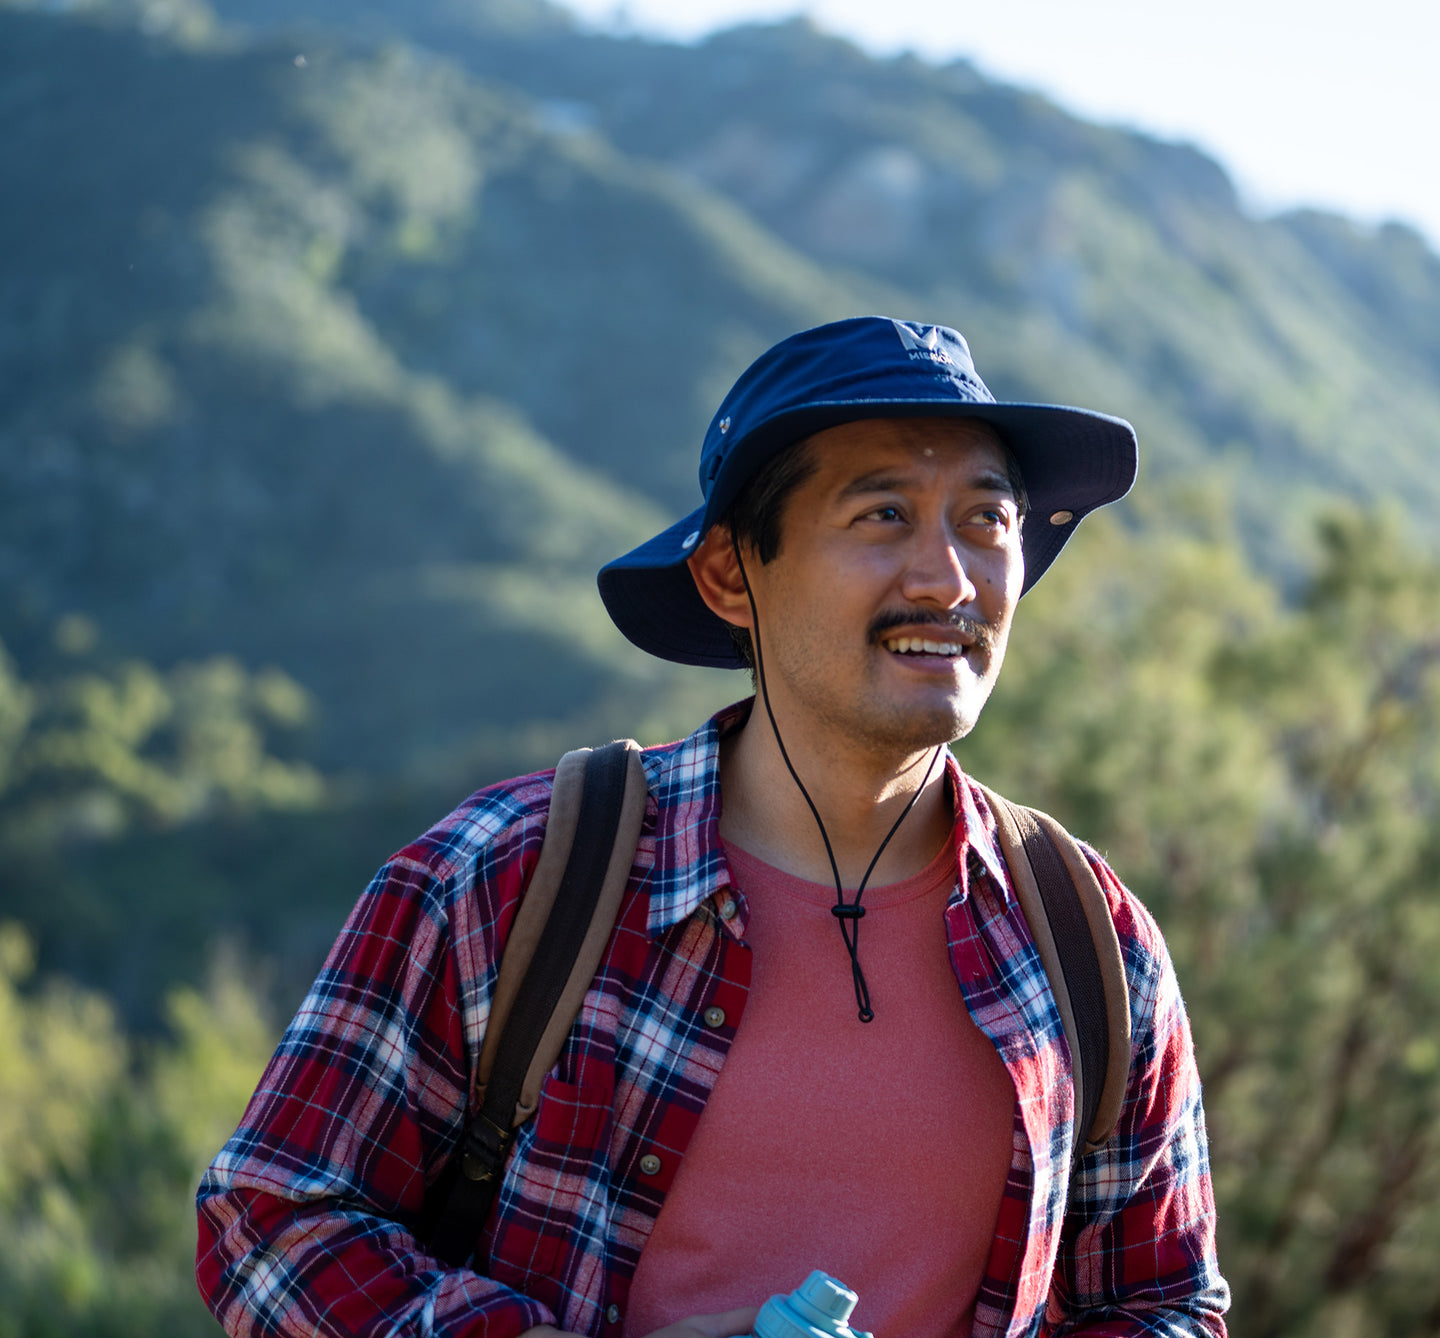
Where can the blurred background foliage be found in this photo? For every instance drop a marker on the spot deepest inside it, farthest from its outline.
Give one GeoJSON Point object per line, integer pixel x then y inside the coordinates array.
{"type": "Point", "coordinates": [1265, 773]}
{"type": "Point", "coordinates": [103, 1139]}
{"type": "Point", "coordinates": [339, 345]}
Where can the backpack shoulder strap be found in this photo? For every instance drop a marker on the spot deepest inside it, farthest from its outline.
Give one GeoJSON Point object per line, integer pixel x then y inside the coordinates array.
{"type": "Point", "coordinates": [1075, 936]}
{"type": "Point", "coordinates": [550, 958]}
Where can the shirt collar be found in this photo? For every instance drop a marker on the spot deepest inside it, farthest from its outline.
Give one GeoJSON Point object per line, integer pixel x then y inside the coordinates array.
{"type": "Point", "coordinates": [684, 781]}
{"type": "Point", "coordinates": [689, 862]}
{"type": "Point", "coordinates": [976, 829]}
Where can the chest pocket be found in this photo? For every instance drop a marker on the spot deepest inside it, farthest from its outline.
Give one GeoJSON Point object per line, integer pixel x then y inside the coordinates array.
{"type": "Point", "coordinates": [553, 1211]}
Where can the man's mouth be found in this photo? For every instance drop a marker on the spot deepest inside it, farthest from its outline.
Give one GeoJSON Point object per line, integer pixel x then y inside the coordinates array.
{"type": "Point", "coordinates": [916, 634]}
{"type": "Point", "coordinates": [911, 645]}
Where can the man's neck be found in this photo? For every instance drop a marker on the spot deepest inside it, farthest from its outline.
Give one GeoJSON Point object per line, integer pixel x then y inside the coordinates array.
{"type": "Point", "coordinates": [858, 794]}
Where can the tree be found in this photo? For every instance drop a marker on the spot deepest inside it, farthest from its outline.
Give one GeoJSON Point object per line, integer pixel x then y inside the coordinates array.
{"type": "Point", "coordinates": [1265, 776]}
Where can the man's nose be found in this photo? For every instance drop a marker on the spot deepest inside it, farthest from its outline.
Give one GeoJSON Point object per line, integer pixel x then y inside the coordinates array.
{"type": "Point", "coordinates": [936, 572]}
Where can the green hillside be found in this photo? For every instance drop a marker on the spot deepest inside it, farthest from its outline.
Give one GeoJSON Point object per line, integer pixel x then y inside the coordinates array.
{"type": "Point", "coordinates": [1086, 263]}
{"type": "Point", "coordinates": [291, 383]}
{"type": "Point", "coordinates": [351, 360]}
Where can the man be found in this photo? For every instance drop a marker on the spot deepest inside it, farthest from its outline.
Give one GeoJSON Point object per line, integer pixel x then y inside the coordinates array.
{"type": "Point", "coordinates": [753, 1088]}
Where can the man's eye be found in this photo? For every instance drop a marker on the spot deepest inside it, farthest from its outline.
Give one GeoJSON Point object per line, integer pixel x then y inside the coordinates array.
{"type": "Point", "coordinates": [884, 513]}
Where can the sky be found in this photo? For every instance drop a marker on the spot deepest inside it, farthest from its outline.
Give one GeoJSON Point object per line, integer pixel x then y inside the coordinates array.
{"type": "Point", "coordinates": [1304, 101]}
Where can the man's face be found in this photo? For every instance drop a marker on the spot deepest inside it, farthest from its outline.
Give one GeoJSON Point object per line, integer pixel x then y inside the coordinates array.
{"type": "Point", "coordinates": [884, 616]}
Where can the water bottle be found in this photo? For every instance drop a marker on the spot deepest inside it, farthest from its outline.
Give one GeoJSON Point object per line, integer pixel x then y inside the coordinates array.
{"type": "Point", "coordinates": [818, 1308]}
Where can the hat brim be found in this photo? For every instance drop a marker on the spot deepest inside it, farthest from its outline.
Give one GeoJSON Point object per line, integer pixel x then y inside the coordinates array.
{"type": "Point", "coordinates": [1072, 460]}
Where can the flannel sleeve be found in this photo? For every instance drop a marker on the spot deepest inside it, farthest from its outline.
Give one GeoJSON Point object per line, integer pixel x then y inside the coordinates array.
{"type": "Point", "coordinates": [306, 1214]}
{"type": "Point", "coordinates": [1137, 1252]}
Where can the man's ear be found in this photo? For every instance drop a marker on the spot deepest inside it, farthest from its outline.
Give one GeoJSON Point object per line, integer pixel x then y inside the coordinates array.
{"type": "Point", "coordinates": [716, 572]}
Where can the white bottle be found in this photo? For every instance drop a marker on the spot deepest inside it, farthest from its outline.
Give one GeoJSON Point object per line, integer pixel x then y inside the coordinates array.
{"type": "Point", "coordinates": [818, 1308]}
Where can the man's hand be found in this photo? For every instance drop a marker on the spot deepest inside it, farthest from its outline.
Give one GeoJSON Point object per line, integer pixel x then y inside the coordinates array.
{"type": "Point", "coordinates": [729, 1324]}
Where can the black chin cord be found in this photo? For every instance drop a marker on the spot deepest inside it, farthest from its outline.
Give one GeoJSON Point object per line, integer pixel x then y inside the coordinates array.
{"type": "Point", "coordinates": [849, 913]}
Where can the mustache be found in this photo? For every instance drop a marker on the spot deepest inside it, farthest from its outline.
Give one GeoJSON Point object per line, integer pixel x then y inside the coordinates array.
{"type": "Point", "coordinates": [982, 633]}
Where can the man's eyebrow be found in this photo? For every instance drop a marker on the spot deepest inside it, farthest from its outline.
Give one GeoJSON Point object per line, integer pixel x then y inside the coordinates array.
{"type": "Point", "coordinates": [890, 480]}
{"type": "Point", "coordinates": [879, 480]}
{"type": "Point", "coordinates": [990, 480]}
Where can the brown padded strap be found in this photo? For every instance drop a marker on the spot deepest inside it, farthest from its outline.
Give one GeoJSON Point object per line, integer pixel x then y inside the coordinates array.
{"type": "Point", "coordinates": [587, 962]}
{"type": "Point", "coordinates": [534, 908]}
{"type": "Point", "coordinates": [534, 912]}
{"type": "Point", "coordinates": [1112, 976]}
{"type": "Point", "coordinates": [1106, 944]}
{"type": "Point", "coordinates": [1032, 905]}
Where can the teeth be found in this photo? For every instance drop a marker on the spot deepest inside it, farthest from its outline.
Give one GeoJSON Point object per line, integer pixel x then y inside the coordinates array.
{"type": "Point", "coordinates": [911, 645]}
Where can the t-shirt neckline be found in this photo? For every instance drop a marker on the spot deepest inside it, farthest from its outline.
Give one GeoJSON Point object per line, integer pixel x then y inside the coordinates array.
{"type": "Point", "coordinates": [750, 871]}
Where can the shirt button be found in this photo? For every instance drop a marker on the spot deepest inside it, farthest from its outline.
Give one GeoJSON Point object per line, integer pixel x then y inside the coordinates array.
{"type": "Point", "coordinates": [612, 1314]}
{"type": "Point", "coordinates": [649, 1164]}
{"type": "Point", "coordinates": [714, 1017]}
{"type": "Point", "coordinates": [729, 909]}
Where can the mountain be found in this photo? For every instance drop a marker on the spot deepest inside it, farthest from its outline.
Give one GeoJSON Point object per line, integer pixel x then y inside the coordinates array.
{"type": "Point", "coordinates": [1086, 263]}
{"type": "Point", "coordinates": [314, 364]}
{"type": "Point", "coordinates": [358, 359]}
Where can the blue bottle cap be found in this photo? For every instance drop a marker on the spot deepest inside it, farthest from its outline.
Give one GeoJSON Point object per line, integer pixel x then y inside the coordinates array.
{"type": "Point", "coordinates": [818, 1308]}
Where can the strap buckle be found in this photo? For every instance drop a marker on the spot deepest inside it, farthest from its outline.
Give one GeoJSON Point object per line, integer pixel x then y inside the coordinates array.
{"type": "Point", "coordinates": [485, 1149]}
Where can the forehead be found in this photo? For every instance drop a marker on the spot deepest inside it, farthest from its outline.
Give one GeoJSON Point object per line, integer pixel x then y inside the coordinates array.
{"type": "Point", "coordinates": [851, 449]}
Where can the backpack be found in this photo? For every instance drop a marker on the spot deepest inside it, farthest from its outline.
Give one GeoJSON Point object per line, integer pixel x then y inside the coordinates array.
{"type": "Point", "coordinates": [569, 909]}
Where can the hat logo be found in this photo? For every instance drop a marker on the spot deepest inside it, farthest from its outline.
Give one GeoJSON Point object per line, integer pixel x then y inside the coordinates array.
{"type": "Point", "coordinates": [922, 342]}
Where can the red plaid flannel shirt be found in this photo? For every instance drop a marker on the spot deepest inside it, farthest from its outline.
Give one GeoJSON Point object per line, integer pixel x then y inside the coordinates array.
{"type": "Point", "coordinates": [307, 1213]}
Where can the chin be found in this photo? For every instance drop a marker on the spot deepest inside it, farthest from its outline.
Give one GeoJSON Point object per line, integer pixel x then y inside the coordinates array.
{"type": "Point", "coordinates": [958, 718]}
{"type": "Point", "coordinates": [913, 730]}
{"type": "Point", "coordinates": [963, 726]}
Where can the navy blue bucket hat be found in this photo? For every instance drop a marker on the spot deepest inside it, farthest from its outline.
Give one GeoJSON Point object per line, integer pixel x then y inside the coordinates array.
{"type": "Point", "coordinates": [1072, 460]}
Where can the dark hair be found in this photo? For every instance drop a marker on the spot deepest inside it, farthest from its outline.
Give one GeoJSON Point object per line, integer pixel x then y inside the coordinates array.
{"type": "Point", "coordinates": [755, 514]}
{"type": "Point", "coordinates": [754, 517]}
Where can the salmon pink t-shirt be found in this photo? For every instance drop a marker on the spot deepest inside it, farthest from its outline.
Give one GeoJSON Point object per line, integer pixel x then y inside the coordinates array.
{"type": "Point", "coordinates": [877, 1152]}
